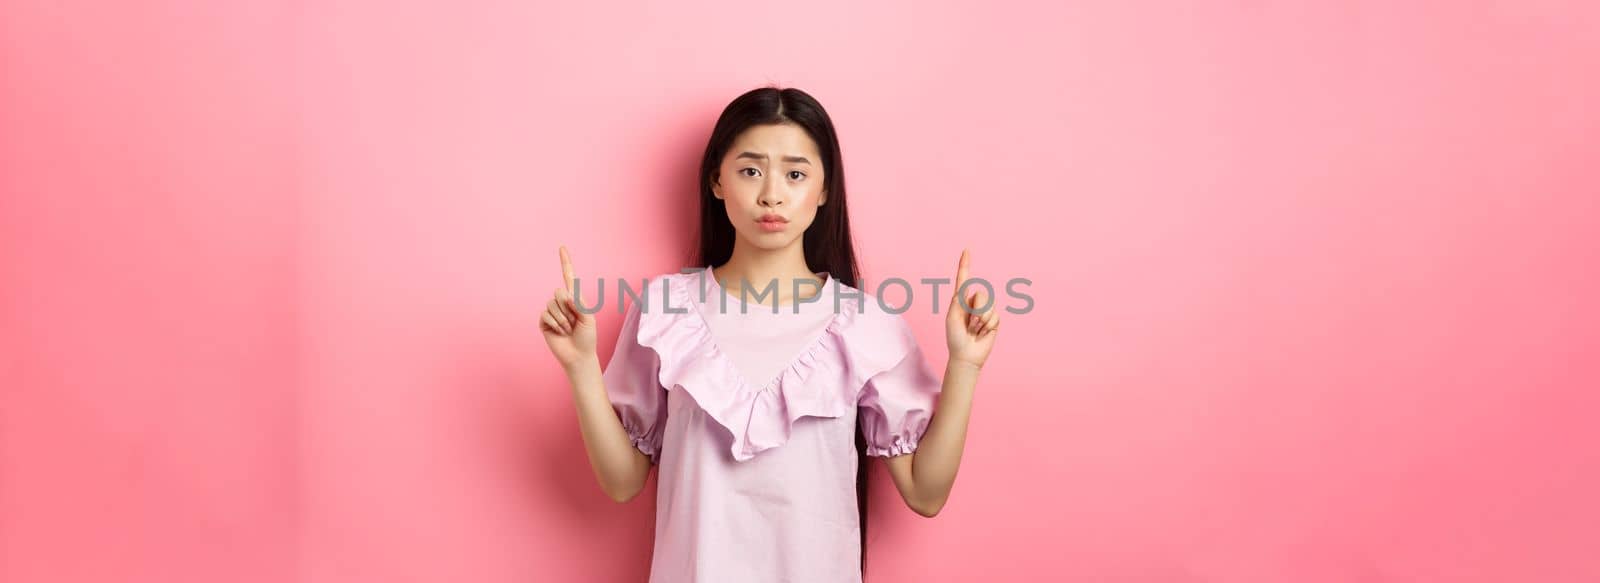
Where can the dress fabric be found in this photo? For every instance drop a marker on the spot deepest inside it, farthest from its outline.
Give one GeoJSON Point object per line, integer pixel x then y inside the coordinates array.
{"type": "Point", "coordinates": [750, 418]}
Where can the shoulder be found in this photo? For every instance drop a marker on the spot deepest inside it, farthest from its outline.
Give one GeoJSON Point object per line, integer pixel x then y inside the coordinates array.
{"type": "Point", "coordinates": [661, 310]}
{"type": "Point", "coordinates": [873, 337]}
{"type": "Point", "coordinates": [654, 292]}
{"type": "Point", "coordinates": [867, 312]}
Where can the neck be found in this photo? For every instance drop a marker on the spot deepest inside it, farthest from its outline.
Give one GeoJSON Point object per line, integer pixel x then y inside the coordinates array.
{"type": "Point", "coordinates": [760, 267]}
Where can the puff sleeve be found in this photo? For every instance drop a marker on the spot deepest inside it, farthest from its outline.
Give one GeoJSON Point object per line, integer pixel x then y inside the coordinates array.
{"type": "Point", "coordinates": [896, 405]}
{"type": "Point", "coordinates": [634, 388]}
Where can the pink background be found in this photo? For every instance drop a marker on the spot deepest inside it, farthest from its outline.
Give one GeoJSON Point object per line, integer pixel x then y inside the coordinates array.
{"type": "Point", "coordinates": [1315, 281]}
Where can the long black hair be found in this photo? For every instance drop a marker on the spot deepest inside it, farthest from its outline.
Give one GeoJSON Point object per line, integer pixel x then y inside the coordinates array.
{"type": "Point", "coordinates": [827, 242]}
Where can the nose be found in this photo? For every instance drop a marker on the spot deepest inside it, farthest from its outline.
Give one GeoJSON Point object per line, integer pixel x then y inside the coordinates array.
{"type": "Point", "coordinates": [770, 197]}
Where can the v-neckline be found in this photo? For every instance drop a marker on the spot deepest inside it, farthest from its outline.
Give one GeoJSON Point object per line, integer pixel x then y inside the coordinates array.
{"type": "Point", "coordinates": [806, 349]}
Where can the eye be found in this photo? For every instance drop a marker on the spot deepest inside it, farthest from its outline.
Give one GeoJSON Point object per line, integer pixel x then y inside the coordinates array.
{"type": "Point", "coordinates": [752, 169]}
{"type": "Point", "coordinates": [793, 173]}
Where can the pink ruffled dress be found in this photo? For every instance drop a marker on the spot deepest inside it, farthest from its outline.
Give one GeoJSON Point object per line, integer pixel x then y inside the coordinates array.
{"type": "Point", "coordinates": [750, 417]}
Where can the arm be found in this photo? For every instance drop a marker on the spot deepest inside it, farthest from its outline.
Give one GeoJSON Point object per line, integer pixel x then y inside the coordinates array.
{"type": "Point", "coordinates": [925, 477]}
{"type": "Point", "coordinates": [620, 468]}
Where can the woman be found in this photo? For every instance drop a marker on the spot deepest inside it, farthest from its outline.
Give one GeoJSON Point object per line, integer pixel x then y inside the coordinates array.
{"type": "Point", "coordinates": [762, 414]}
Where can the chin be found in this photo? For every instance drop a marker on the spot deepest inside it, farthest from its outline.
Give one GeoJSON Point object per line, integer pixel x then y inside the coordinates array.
{"type": "Point", "coordinates": [771, 241]}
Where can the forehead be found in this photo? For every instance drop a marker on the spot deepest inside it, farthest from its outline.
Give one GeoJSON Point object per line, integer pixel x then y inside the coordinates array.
{"type": "Point", "coordinates": [775, 141]}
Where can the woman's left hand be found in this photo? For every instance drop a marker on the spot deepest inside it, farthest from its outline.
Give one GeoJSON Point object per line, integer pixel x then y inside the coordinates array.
{"type": "Point", "coordinates": [970, 331]}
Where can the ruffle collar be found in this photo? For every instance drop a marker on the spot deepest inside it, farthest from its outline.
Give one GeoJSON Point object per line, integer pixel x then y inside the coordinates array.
{"type": "Point", "coordinates": [824, 380]}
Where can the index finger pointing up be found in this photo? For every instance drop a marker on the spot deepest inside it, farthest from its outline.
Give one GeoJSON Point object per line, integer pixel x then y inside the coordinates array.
{"type": "Point", "coordinates": [961, 270]}
{"type": "Point", "coordinates": [566, 268]}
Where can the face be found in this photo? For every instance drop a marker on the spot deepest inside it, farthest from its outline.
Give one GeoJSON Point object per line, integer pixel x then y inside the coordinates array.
{"type": "Point", "coordinates": [771, 172]}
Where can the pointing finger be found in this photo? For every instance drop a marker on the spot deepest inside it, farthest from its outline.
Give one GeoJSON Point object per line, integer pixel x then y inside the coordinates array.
{"type": "Point", "coordinates": [961, 269]}
{"type": "Point", "coordinates": [566, 268]}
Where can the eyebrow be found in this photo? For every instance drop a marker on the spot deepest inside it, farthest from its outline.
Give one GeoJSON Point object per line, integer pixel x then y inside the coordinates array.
{"type": "Point", "coordinates": [753, 155]}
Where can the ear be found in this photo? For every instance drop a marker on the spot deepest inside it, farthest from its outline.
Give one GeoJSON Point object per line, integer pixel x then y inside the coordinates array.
{"type": "Point", "coordinates": [716, 187]}
{"type": "Point", "coordinates": [822, 199]}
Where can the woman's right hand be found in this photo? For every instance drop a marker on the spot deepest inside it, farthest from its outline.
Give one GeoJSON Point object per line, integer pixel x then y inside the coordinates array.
{"type": "Point", "coordinates": [569, 332]}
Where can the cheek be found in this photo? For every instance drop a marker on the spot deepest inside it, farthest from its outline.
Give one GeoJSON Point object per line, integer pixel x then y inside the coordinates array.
{"type": "Point", "coordinates": [737, 200]}
{"type": "Point", "coordinates": [732, 192]}
{"type": "Point", "coordinates": [814, 196]}
{"type": "Point", "coordinates": [804, 194]}
{"type": "Point", "coordinates": [811, 209]}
